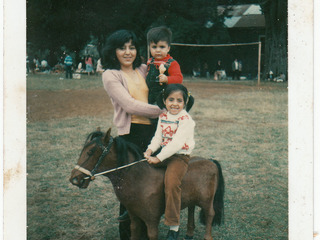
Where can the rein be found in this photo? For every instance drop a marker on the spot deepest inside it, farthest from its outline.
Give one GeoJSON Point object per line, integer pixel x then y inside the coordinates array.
{"type": "Point", "coordinates": [105, 150]}
{"type": "Point", "coordinates": [92, 177]}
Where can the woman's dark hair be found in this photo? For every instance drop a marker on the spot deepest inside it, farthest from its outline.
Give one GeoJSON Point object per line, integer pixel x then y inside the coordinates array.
{"type": "Point", "coordinates": [116, 40]}
{"type": "Point", "coordinates": [187, 98]}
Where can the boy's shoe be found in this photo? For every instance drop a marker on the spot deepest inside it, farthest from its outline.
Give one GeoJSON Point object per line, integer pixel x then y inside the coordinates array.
{"type": "Point", "coordinates": [172, 235]}
{"type": "Point", "coordinates": [124, 217]}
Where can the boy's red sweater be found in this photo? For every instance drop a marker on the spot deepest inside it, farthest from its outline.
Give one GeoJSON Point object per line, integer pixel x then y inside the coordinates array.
{"type": "Point", "coordinates": [175, 75]}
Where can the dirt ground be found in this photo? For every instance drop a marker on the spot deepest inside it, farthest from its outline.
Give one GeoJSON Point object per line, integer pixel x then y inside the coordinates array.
{"type": "Point", "coordinates": [45, 105]}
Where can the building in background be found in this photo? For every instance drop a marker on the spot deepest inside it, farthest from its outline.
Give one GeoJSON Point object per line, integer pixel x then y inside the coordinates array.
{"type": "Point", "coordinates": [245, 24]}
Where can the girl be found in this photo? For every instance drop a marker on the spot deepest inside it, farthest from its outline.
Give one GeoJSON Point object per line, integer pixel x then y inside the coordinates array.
{"type": "Point", "coordinates": [174, 138]}
{"type": "Point", "coordinates": [89, 65]}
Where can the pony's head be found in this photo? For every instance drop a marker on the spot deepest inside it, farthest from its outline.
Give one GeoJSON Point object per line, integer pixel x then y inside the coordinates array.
{"type": "Point", "coordinates": [96, 156]}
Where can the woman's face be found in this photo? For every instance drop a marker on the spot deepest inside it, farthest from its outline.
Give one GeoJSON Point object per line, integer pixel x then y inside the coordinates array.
{"type": "Point", "coordinates": [126, 54]}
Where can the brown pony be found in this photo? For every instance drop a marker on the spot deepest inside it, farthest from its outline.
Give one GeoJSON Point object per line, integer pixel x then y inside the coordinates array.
{"type": "Point", "coordinates": [140, 186]}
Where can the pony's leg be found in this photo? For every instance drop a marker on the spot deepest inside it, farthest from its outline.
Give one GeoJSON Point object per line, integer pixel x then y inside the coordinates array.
{"type": "Point", "coordinates": [190, 225]}
{"type": "Point", "coordinates": [152, 231]}
{"type": "Point", "coordinates": [135, 227]}
{"type": "Point", "coordinates": [209, 215]}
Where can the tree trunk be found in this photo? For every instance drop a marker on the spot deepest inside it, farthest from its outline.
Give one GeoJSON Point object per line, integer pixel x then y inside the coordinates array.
{"type": "Point", "coordinates": [276, 57]}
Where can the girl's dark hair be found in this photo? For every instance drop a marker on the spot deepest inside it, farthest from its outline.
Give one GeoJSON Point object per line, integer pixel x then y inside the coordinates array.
{"type": "Point", "coordinates": [187, 98]}
{"type": "Point", "coordinates": [116, 40]}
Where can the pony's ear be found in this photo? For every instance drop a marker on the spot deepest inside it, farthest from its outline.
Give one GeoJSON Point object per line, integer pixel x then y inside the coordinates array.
{"type": "Point", "coordinates": [107, 136]}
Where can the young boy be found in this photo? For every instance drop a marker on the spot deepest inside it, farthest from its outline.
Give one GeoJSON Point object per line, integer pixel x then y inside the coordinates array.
{"type": "Point", "coordinates": [159, 40]}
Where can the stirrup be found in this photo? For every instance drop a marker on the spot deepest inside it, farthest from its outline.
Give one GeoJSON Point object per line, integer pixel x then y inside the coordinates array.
{"type": "Point", "coordinates": [124, 217]}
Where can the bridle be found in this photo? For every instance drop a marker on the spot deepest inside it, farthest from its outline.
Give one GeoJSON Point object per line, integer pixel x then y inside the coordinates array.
{"type": "Point", "coordinates": [105, 150]}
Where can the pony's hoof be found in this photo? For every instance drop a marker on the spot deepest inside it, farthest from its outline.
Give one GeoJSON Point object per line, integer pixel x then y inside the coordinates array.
{"type": "Point", "coordinates": [188, 237]}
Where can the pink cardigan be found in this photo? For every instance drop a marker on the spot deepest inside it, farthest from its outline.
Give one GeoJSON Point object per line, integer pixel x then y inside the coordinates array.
{"type": "Point", "coordinates": [124, 105]}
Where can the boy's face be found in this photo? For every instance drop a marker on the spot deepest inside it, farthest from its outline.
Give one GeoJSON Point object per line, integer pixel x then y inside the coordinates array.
{"type": "Point", "coordinates": [159, 50]}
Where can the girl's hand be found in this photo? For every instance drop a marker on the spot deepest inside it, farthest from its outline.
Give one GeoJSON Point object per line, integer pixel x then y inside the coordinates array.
{"type": "Point", "coordinates": [153, 160]}
{"type": "Point", "coordinates": [163, 79]}
{"type": "Point", "coordinates": [147, 153]}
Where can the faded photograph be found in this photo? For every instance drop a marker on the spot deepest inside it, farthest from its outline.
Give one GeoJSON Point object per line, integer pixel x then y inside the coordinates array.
{"type": "Point", "coordinates": [157, 120]}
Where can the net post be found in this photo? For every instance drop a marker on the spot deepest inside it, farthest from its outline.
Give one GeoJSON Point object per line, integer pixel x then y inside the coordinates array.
{"type": "Point", "coordinates": [259, 63]}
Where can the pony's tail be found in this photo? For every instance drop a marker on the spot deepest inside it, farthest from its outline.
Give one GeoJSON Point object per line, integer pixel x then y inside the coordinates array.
{"type": "Point", "coordinates": [218, 202]}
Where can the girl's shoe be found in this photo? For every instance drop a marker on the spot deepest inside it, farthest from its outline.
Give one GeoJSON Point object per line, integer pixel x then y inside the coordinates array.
{"type": "Point", "coordinates": [172, 235]}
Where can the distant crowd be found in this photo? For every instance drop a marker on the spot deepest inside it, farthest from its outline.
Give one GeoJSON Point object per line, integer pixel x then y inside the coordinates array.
{"type": "Point", "coordinates": [65, 64]}
{"type": "Point", "coordinates": [89, 65]}
{"type": "Point", "coordinates": [220, 71]}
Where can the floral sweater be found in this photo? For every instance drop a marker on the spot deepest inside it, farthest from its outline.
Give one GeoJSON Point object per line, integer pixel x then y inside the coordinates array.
{"type": "Point", "coordinates": [174, 135]}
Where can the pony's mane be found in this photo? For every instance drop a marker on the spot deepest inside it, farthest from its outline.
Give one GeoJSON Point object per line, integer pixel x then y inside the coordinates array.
{"type": "Point", "coordinates": [123, 148]}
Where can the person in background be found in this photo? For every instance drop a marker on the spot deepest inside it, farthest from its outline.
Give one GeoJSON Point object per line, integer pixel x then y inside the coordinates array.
{"type": "Point", "coordinates": [174, 138]}
{"type": "Point", "coordinates": [124, 82]}
{"type": "Point", "coordinates": [89, 65]}
{"type": "Point", "coordinates": [44, 66]}
{"type": "Point", "coordinates": [68, 65]}
{"type": "Point", "coordinates": [219, 71]}
{"type": "Point", "coordinates": [240, 69]}
{"type": "Point", "coordinates": [27, 64]}
{"type": "Point", "coordinates": [195, 72]}
{"type": "Point", "coordinates": [79, 68]}
{"type": "Point", "coordinates": [235, 70]}
{"type": "Point", "coordinates": [36, 64]}
{"type": "Point", "coordinates": [206, 70]}
{"type": "Point", "coordinates": [99, 67]}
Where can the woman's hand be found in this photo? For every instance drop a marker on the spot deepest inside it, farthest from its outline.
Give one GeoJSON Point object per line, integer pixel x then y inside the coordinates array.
{"type": "Point", "coordinates": [163, 79]}
{"type": "Point", "coordinates": [153, 160]}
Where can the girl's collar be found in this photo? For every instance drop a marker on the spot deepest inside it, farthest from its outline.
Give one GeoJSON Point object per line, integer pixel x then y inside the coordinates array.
{"type": "Point", "coordinates": [183, 112]}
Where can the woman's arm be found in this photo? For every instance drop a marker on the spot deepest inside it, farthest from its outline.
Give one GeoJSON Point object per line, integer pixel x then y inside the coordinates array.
{"type": "Point", "coordinates": [119, 94]}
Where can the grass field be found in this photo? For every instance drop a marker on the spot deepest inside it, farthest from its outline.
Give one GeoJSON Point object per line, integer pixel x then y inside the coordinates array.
{"type": "Point", "coordinates": [243, 126]}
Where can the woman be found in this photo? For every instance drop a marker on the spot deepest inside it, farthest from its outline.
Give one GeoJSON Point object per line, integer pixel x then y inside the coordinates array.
{"type": "Point", "coordinates": [124, 81]}
{"type": "Point", "coordinates": [89, 65]}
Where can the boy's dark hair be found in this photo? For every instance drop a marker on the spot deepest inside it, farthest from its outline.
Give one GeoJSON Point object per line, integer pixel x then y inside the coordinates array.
{"type": "Point", "coordinates": [116, 40]}
{"type": "Point", "coordinates": [187, 98]}
{"type": "Point", "coordinates": [157, 34]}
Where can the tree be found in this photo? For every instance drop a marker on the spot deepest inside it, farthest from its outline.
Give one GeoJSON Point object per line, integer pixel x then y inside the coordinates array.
{"type": "Point", "coordinates": [70, 23]}
{"type": "Point", "coordinates": [276, 56]}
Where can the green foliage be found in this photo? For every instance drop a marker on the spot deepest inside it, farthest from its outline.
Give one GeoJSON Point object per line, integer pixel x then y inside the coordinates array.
{"type": "Point", "coordinates": [51, 24]}
{"type": "Point", "coordinates": [70, 23]}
